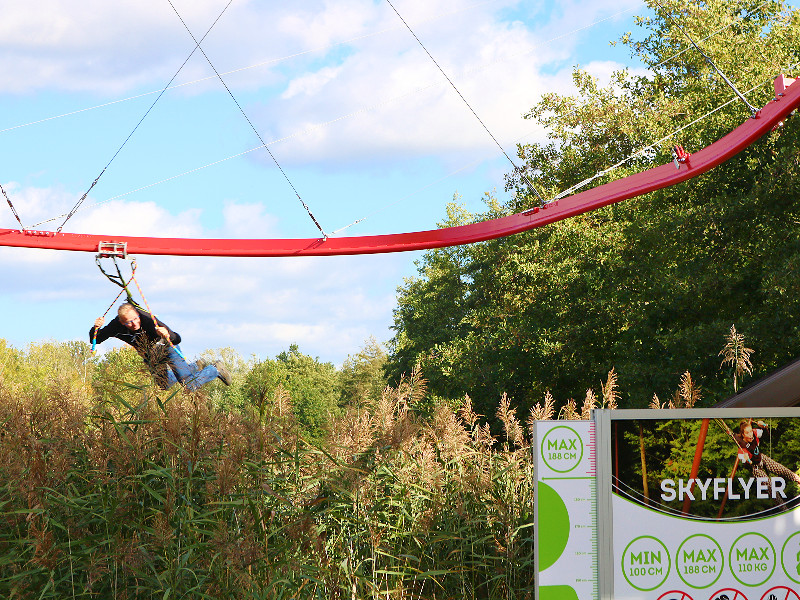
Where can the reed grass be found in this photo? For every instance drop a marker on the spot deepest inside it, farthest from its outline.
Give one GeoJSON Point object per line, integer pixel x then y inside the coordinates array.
{"type": "Point", "coordinates": [139, 493]}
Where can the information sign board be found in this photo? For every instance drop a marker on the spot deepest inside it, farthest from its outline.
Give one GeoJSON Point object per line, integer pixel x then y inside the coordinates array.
{"type": "Point", "coordinates": [669, 505]}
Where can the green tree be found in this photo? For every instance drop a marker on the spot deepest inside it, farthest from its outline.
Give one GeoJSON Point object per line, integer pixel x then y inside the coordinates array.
{"type": "Point", "coordinates": [647, 286]}
{"type": "Point", "coordinates": [362, 374]}
{"type": "Point", "coordinates": [314, 387]}
{"type": "Point", "coordinates": [227, 395]}
{"type": "Point", "coordinates": [45, 366]}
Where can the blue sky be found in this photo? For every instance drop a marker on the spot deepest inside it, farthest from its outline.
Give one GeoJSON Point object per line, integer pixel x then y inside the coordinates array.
{"type": "Point", "coordinates": [359, 118]}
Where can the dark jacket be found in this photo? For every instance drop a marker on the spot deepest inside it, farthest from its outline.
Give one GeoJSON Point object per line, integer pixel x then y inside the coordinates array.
{"type": "Point", "coordinates": [143, 340]}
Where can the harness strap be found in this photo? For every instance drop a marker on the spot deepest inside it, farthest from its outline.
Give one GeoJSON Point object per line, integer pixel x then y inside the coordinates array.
{"type": "Point", "coordinates": [118, 279]}
{"type": "Point", "coordinates": [155, 320]}
{"type": "Point", "coordinates": [124, 287]}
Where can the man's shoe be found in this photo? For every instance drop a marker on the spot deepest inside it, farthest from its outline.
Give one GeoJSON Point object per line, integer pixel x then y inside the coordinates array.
{"type": "Point", "coordinates": [224, 375]}
{"type": "Point", "coordinates": [201, 364]}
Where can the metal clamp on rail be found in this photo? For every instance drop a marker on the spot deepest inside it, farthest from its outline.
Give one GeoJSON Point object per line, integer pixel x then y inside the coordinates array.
{"type": "Point", "coordinates": [782, 82]}
{"type": "Point", "coordinates": [679, 155]}
{"type": "Point", "coordinates": [112, 250]}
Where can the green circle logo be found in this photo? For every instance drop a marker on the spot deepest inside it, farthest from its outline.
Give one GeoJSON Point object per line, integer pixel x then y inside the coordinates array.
{"type": "Point", "coordinates": [752, 559]}
{"type": "Point", "coordinates": [790, 557]}
{"type": "Point", "coordinates": [562, 449]}
{"type": "Point", "coordinates": [699, 561]}
{"type": "Point", "coordinates": [646, 563]}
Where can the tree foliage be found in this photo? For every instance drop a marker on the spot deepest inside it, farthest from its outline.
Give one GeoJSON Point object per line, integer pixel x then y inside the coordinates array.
{"type": "Point", "coordinates": [44, 366]}
{"type": "Point", "coordinates": [312, 387]}
{"type": "Point", "coordinates": [651, 286]}
{"type": "Point", "coordinates": [363, 379]}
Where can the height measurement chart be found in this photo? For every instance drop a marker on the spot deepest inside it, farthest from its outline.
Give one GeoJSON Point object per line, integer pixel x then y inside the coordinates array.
{"type": "Point", "coordinates": [566, 524]}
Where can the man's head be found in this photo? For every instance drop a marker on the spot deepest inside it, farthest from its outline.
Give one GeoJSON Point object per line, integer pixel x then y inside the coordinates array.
{"type": "Point", "coordinates": [129, 317]}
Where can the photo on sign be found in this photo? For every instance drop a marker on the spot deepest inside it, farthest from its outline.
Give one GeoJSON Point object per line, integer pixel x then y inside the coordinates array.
{"type": "Point", "coordinates": [710, 469]}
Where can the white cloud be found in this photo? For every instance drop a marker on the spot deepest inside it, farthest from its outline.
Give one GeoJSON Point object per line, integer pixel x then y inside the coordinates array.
{"type": "Point", "coordinates": [121, 217]}
{"type": "Point", "coordinates": [400, 102]}
{"type": "Point", "coordinates": [247, 220]}
{"type": "Point", "coordinates": [310, 84]}
{"type": "Point", "coordinates": [317, 24]}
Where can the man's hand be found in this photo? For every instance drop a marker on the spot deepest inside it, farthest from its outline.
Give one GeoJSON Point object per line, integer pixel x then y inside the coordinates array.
{"type": "Point", "coordinates": [98, 322]}
{"type": "Point", "coordinates": [163, 332]}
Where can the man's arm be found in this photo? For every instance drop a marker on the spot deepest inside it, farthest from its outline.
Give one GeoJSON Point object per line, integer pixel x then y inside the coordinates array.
{"type": "Point", "coordinates": [103, 333]}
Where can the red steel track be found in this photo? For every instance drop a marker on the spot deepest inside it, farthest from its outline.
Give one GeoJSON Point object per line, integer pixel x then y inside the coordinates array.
{"type": "Point", "coordinates": [787, 100]}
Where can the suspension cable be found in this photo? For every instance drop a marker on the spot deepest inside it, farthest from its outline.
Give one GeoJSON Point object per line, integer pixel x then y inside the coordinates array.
{"type": "Point", "coordinates": [11, 206]}
{"type": "Point", "coordinates": [460, 95]}
{"type": "Point", "coordinates": [362, 110]}
{"type": "Point", "coordinates": [643, 151]}
{"type": "Point", "coordinates": [244, 114]}
{"type": "Point", "coordinates": [147, 112]}
{"type": "Point", "coordinates": [753, 109]}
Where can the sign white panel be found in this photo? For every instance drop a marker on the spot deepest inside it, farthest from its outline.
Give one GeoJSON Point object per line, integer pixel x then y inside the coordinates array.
{"type": "Point", "coordinates": [565, 510]}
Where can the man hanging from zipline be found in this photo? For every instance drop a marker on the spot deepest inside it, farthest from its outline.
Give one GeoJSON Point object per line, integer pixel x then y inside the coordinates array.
{"type": "Point", "coordinates": [157, 344]}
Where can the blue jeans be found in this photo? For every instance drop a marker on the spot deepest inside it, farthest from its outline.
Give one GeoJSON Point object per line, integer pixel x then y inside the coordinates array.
{"type": "Point", "coordinates": [187, 374]}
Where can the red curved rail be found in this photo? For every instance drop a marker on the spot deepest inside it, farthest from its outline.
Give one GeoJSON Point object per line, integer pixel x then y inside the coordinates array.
{"type": "Point", "coordinates": [787, 99]}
